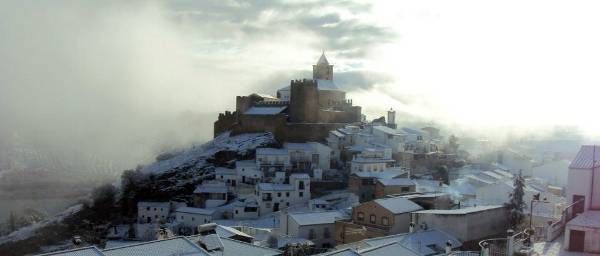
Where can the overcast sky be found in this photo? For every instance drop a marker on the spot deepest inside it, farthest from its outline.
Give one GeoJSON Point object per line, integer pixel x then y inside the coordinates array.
{"type": "Point", "coordinates": [132, 78]}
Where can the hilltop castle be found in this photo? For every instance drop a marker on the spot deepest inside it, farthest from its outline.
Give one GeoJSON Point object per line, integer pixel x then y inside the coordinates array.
{"type": "Point", "coordinates": [304, 111]}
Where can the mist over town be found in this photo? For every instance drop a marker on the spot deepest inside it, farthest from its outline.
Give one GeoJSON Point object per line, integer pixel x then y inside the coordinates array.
{"type": "Point", "coordinates": [299, 128]}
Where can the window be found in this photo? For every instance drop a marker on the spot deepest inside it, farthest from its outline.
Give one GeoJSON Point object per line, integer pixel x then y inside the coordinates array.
{"type": "Point", "coordinates": [405, 189]}
{"type": "Point", "coordinates": [301, 194]}
{"type": "Point", "coordinates": [182, 217]}
{"type": "Point", "coordinates": [278, 194]}
{"type": "Point", "coordinates": [360, 216]}
{"type": "Point", "coordinates": [326, 233]}
{"type": "Point", "coordinates": [236, 212]}
{"type": "Point", "coordinates": [384, 221]}
{"type": "Point", "coordinates": [148, 208]}
{"type": "Point", "coordinates": [154, 209]}
{"type": "Point", "coordinates": [300, 184]}
{"type": "Point", "coordinates": [372, 219]}
{"type": "Point", "coordinates": [287, 194]}
{"type": "Point", "coordinates": [193, 219]}
{"type": "Point", "coordinates": [312, 234]}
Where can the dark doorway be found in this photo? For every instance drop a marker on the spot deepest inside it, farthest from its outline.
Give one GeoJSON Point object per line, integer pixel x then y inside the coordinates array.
{"type": "Point", "coordinates": [148, 219]}
{"type": "Point", "coordinates": [276, 207]}
{"type": "Point", "coordinates": [233, 183]}
{"type": "Point", "coordinates": [576, 240]}
{"type": "Point", "coordinates": [579, 207]}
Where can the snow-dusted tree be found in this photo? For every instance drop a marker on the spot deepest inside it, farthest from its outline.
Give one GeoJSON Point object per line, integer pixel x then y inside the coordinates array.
{"type": "Point", "coordinates": [516, 203]}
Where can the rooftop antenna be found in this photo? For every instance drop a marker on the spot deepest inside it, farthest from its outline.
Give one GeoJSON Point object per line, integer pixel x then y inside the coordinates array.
{"type": "Point", "coordinates": [593, 171]}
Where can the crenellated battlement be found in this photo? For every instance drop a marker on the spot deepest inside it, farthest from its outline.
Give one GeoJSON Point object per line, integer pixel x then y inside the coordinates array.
{"type": "Point", "coordinates": [303, 82]}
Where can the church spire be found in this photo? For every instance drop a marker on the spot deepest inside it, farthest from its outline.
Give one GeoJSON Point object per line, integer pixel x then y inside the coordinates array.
{"type": "Point", "coordinates": [323, 70]}
{"type": "Point", "coordinates": [323, 60]}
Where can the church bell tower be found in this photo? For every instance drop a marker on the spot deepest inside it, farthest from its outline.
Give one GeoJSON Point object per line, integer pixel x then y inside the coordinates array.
{"type": "Point", "coordinates": [322, 70]}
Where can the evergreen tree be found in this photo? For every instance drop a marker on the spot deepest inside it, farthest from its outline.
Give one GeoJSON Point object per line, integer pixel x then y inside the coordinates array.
{"type": "Point", "coordinates": [516, 203]}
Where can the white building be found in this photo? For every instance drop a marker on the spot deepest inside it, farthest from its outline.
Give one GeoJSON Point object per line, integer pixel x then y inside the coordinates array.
{"type": "Point", "coordinates": [273, 197]}
{"type": "Point", "coordinates": [151, 212]}
{"type": "Point", "coordinates": [227, 175]}
{"type": "Point", "coordinates": [191, 217]}
{"type": "Point", "coordinates": [475, 222]}
{"type": "Point", "coordinates": [271, 160]}
{"type": "Point", "coordinates": [210, 194]}
{"type": "Point", "coordinates": [583, 192]}
{"type": "Point", "coordinates": [319, 227]}
{"type": "Point", "coordinates": [248, 172]}
{"type": "Point", "coordinates": [245, 208]}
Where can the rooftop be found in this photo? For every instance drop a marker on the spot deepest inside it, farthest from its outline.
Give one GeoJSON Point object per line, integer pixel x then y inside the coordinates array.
{"type": "Point", "coordinates": [397, 182]}
{"type": "Point", "coordinates": [585, 157]}
{"type": "Point", "coordinates": [193, 210]}
{"type": "Point", "coordinates": [587, 219]}
{"type": "Point", "coordinates": [462, 211]}
{"type": "Point", "coordinates": [298, 146]}
{"type": "Point", "coordinates": [317, 218]}
{"type": "Point", "coordinates": [398, 205]}
{"type": "Point", "coordinates": [255, 110]}
{"type": "Point", "coordinates": [166, 247]}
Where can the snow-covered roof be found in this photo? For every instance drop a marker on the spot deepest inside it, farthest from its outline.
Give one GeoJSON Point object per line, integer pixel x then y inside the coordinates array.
{"type": "Point", "coordinates": [588, 219]}
{"type": "Point", "coordinates": [411, 131]}
{"type": "Point", "coordinates": [232, 247]}
{"type": "Point", "coordinates": [270, 110]}
{"type": "Point", "coordinates": [397, 205]}
{"type": "Point", "coordinates": [386, 174]}
{"type": "Point", "coordinates": [144, 204]}
{"type": "Point", "coordinates": [274, 187]}
{"type": "Point", "coordinates": [420, 242]}
{"type": "Point", "coordinates": [337, 133]}
{"type": "Point", "coordinates": [585, 157]}
{"type": "Point", "coordinates": [317, 218]}
{"type": "Point", "coordinates": [326, 85]}
{"type": "Point", "coordinates": [298, 146]}
{"type": "Point", "coordinates": [211, 187]}
{"type": "Point", "coordinates": [86, 251]}
{"type": "Point", "coordinates": [193, 210]}
{"type": "Point", "coordinates": [227, 232]}
{"type": "Point", "coordinates": [391, 249]}
{"type": "Point", "coordinates": [462, 211]}
{"type": "Point", "coordinates": [172, 246]}
{"type": "Point", "coordinates": [271, 151]}
{"type": "Point", "coordinates": [386, 130]}
{"type": "Point", "coordinates": [397, 182]}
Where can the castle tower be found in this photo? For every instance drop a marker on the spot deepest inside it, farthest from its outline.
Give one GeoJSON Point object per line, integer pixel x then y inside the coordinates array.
{"type": "Point", "coordinates": [323, 70]}
{"type": "Point", "coordinates": [391, 118]}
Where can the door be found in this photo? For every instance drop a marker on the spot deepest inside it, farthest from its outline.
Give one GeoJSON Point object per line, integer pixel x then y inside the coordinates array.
{"type": "Point", "coordinates": [233, 183]}
{"type": "Point", "coordinates": [580, 207]}
{"type": "Point", "coordinates": [276, 207]}
{"type": "Point", "coordinates": [576, 240]}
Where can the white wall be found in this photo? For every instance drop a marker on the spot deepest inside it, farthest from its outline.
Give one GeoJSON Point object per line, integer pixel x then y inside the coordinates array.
{"type": "Point", "coordinates": [192, 220]}
{"type": "Point", "coordinates": [579, 184]}
{"type": "Point", "coordinates": [154, 212]}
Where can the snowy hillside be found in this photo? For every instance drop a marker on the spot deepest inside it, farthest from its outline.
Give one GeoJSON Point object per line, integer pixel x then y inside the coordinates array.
{"type": "Point", "coordinates": [197, 155]}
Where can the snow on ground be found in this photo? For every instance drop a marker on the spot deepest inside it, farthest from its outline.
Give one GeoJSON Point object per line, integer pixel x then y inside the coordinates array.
{"type": "Point", "coordinates": [555, 248]}
{"type": "Point", "coordinates": [197, 155]}
{"type": "Point", "coordinates": [29, 231]}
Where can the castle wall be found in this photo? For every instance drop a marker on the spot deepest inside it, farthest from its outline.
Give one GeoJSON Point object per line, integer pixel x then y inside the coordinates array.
{"type": "Point", "coordinates": [328, 99]}
{"type": "Point", "coordinates": [304, 101]}
{"type": "Point", "coordinates": [225, 122]}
